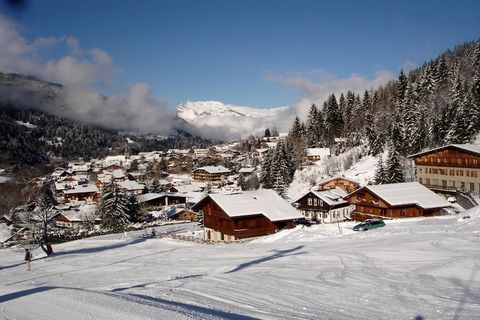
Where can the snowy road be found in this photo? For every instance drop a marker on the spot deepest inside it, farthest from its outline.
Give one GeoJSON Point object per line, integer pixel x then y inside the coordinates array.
{"type": "Point", "coordinates": [418, 267]}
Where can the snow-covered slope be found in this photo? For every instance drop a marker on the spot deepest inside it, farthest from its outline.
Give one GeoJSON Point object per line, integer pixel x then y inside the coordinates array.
{"type": "Point", "coordinates": [234, 121]}
{"type": "Point", "coordinates": [412, 268]}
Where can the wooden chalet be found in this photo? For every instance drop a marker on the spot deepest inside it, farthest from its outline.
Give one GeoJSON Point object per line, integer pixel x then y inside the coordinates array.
{"type": "Point", "coordinates": [229, 217]}
{"type": "Point", "coordinates": [181, 214]}
{"type": "Point", "coordinates": [212, 174]}
{"type": "Point", "coordinates": [158, 200]}
{"type": "Point", "coordinates": [316, 154]}
{"type": "Point", "coordinates": [87, 193]}
{"type": "Point", "coordinates": [449, 168]}
{"type": "Point", "coordinates": [348, 185]}
{"type": "Point", "coordinates": [324, 206]}
{"type": "Point", "coordinates": [396, 200]}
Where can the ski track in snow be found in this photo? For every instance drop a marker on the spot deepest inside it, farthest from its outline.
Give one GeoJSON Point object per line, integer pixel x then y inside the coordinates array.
{"type": "Point", "coordinates": [427, 267]}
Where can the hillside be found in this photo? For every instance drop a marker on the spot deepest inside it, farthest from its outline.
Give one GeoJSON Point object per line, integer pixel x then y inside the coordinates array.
{"type": "Point", "coordinates": [31, 134]}
{"type": "Point", "coordinates": [410, 268]}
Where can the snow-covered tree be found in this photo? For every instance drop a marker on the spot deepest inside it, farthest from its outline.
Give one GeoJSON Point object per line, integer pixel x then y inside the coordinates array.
{"type": "Point", "coordinates": [393, 169]}
{"type": "Point", "coordinates": [113, 208]}
{"type": "Point", "coordinates": [155, 186]}
{"type": "Point", "coordinates": [380, 172]}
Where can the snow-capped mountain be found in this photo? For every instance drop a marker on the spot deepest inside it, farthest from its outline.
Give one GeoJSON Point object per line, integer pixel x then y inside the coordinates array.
{"type": "Point", "coordinates": [216, 119]}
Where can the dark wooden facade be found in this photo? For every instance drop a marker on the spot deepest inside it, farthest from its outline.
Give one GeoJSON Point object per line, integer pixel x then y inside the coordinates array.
{"type": "Point", "coordinates": [205, 176]}
{"type": "Point", "coordinates": [246, 226]}
{"type": "Point", "coordinates": [164, 200]}
{"type": "Point", "coordinates": [449, 168]}
{"type": "Point", "coordinates": [448, 156]}
{"type": "Point", "coordinates": [316, 203]}
{"type": "Point", "coordinates": [368, 205]}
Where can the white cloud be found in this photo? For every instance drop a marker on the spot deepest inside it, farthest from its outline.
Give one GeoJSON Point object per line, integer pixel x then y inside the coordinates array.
{"type": "Point", "coordinates": [315, 86]}
{"type": "Point", "coordinates": [408, 66]}
{"type": "Point", "coordinates": [79, 71]}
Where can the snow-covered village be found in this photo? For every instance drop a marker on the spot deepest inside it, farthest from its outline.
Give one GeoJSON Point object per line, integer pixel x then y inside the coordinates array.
{"type": "Point", "coordinates": [357, 197]}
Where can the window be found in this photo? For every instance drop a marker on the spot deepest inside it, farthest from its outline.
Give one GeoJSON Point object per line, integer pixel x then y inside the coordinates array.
{"type": "Point", "coordinates": [315, 202]}
{"type": "Point", "coordinates": [309, 201]}
{"type": "Point", "coordinates": [444, 183]}
{"type": "Point", "coordinates": [472, 186]}
{"type": "Point", "coordinates": [452, 172]}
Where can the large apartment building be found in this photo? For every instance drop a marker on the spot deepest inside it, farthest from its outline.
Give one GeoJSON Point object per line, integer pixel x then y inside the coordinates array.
{"type": "Point", "coordinates": [449, 168]}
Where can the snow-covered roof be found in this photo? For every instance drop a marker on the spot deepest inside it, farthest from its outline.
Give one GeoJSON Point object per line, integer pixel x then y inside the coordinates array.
{"type": "Point", "coordinates": [263, 201]}
{"type": "Point", "coordinates": [214, 169]}
{"type": "Point", "coordinates": [475, 148]}
{"type": "Point", "coordinates": [84, 188]}
{"type": "Point", "coordinates": [321, 152]}
{"type": "Point", "coordinates": [332, 197]}
{"type": "Point", "coordinates": [397, 194]}
{"type": "Point", "coordinates": [246, 170]}
{"type": "Point", "coordinates": [118, 174]}
{"type": "Point", "coordinates": [152, 196]}
{"type": "Point", "coordinates": [131, 185]}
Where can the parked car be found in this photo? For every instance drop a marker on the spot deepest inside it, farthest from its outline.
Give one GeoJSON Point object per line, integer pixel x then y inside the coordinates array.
{"type": "Point", "coordinates": [369, 224]}
{"type": "Point", "coordinates": [303, 222]}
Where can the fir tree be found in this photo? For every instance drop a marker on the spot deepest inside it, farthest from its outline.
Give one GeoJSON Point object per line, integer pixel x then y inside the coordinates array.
{"type": "Point", "coordinates": [380, 174]}
{"type": "Point", "coordinates": [241, 182]}
{"type": "Point", "coordinates": [265, 177]}
{"type": "Point", "coordinates": [133, 208]}
{"type": "Point", "coordinates": [394, 170]}
{"type": "Point", "coordinates": [267, 133]}
{"type": "Point", "coordinates": [155, 186]}
{"type": "Point", "coordinates": [113, 208]}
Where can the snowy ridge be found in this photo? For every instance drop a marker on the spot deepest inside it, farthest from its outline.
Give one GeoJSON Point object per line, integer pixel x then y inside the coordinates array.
{"type": "Point", "coordinates": [228, 122]}
{"type": "Point", "coordinates": [192, 111]}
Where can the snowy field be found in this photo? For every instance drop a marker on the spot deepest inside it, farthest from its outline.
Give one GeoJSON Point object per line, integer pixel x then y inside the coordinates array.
{"type": "Point", "coordinates": [418, 268]}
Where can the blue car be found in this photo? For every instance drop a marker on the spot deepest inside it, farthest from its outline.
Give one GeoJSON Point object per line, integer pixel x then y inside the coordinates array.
{"type": "Point", "coordinates": [369, 224]}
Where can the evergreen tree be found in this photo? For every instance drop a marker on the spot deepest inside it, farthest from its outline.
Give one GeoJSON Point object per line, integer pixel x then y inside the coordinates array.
{"type": "Point", "coordinates": [241, 182]}
{"type": "Point", "coordinates": [267, 133]}
{"type": "Point", "coordinates": [312, 127]}
{"type": "Point", "coordinates": [163, 165]}
{"type": "Point", "coordinates": [370, 133]}
{"type": "Point", "coordinates": [333, 119]}
{"type": "Point", "coordinates": [394, 170]}
{"type": "Point", "coordinates": [401, 90]}
{"type": "Point", "coordinates": [155, 186]}
{"type": "Point", "coordinates": [296, 144]}
{"type": "Point", "coordinates": [199, 218]}
{"type": "Point", "coordinates": [113, 208]}
{"type": "Point", "coordinates": [380, 172]}
{"type": "Point", "coordinates": [267, 164]}
{"type": "Point", "coordinates": [133, 208]}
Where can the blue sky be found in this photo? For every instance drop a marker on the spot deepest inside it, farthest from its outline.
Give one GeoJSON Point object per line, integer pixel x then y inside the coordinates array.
{"type": "Point", "coordinates": [255, 53]}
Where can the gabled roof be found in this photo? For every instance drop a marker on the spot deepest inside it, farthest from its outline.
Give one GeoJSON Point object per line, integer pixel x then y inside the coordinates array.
{"type": "Point", "coordinates": [263, 201]}
{"type": "Point", "coordinates": [131, 185]}
{"type": "Point", "coordinates": [246, 170]}
{"type": "Point", "coordinates": [467, 147]}
{"type": "Point", "coordinates": [214, 169]}
{"type": "Point", "coordinates": [84, 188]}
{"type": "Point", "coordinates": [406, 193]}
{"type": "Point", "coordinates": [332, 197]}
{"type": "Point", "coordinates": [152, 196]}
